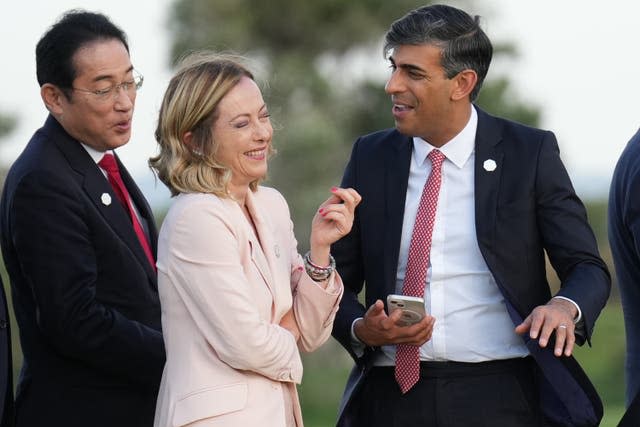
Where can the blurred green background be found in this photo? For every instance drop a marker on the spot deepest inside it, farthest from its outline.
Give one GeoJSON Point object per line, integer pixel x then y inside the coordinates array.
{"type": "Point", "coordinates": [301, 51]}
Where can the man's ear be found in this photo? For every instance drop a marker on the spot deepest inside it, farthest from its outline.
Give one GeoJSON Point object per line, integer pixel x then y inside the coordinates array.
{"type": "Point", "coordinates": [465, 81]}
{"type": "Point", "coordinates": [52, 97]}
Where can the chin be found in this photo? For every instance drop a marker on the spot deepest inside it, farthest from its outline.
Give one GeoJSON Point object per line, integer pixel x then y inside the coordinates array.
{"type": "Point", "coordinates": [404, 130]}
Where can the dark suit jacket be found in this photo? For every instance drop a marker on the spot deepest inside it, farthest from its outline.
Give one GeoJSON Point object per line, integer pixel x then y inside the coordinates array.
{"type": "Point", "coordinates": [6, 367]}
{"type": "Point", "coordinates": [624, 237]}
{"type": "Point", "coordinates": [524, 207]}
{"type": "Point", "coordinates": [84, 294]}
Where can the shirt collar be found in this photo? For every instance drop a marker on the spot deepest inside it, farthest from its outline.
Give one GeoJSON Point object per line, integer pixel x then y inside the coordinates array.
{"type": "Point", "coordinates": [95, 154]}
{"type": "Point", "coordinates": [457, 150]}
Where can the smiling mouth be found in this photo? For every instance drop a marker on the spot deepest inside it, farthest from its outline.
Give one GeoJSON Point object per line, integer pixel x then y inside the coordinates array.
{"type": "Point", "coordinates": [256, 154]}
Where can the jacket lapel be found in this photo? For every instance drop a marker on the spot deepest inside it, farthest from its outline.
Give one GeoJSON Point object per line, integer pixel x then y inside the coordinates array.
{"type": "Point", "coordinates": [488, 156]}
{"type": "Point", "coordinates": [98, 188]}
{"type": "Point", "coordinates": [396, 171]}
{"type": "Point", "coordinates": [261, 248]}
{"type": "Point", "coordinates": [96, 185]}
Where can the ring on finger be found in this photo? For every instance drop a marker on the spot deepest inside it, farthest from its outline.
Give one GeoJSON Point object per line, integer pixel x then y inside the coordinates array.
{"type": "Point", "coordinates": [562, 326]}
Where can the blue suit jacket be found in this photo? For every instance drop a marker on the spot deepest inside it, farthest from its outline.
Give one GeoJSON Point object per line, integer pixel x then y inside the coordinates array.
{"type": "Point", "coordinates": [84, 293]}
{"type": "Point", "coordinates": [624, 238]}
{"type": "Point", "coordinates": [524, 207]}
{"type": "Point", "coordinates": [6, 368]}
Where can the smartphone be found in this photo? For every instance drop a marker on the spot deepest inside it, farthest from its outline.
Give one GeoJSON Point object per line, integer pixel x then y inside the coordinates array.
{"type": "Point", "coordinates": [412, 308]}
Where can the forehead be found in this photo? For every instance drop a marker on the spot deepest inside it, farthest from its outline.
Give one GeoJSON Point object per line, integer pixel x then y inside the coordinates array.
{"type": "Point", "coordinates": [102, 59]}
{"type": "Point", "coordinates": [243, 98]}
{"type": "Point", "coordinates": [424, 56]}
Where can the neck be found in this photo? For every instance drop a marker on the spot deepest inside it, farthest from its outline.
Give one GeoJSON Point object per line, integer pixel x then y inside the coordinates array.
{"type": "Point", "coordinates": [238, 194]}
{"type": "Point", "coordinates": [458, 119]}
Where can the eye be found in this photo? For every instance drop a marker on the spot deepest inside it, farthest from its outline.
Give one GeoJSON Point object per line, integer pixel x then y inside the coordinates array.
{"type": "Point", "coordinates": [265, 116]}
{"type": "Point", "coordinates": [127, 85]}
{"type": "Point", "coordinates": [103, 92]}
{"type": "Point", "coordinates": [241, 124]}
{"type": "Point", "coordinates": [415, 75]}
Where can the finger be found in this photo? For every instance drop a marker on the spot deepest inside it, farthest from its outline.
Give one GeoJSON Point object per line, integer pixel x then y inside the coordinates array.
{"type": "Point", "coordinates": [355, 198]}
{"type": "Point", "coordinates": [395, 316]}
{"type": "Point", "coordinates": [561, 337]}
{"type": "Point", "coordinates": [376, 309]}
{"type": "Point", "coordinates": [427, 331]}
{"type": "Point", "coordinates": [419, 333]}
{"type": "Point", "coordinates": [571, 340]}
{"type": "Point", "coordinates": [524, 327]}
{"type": "Point", "coordinates": [347, 195]}
{"type": "Point", "coordinates": [537, 321]}
{"type": "Point", "coordinates": [548, 328]}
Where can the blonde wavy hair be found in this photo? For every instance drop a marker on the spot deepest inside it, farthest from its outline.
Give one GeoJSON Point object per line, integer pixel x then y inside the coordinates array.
{"type": "Point", "coordinates": [190, 104]}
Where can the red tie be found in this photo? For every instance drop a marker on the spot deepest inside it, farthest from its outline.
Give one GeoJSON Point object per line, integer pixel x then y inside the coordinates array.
{"type": "Point", "coordinates": [108, 163]}
{"type": "Point", "coordinates": [408, 356]}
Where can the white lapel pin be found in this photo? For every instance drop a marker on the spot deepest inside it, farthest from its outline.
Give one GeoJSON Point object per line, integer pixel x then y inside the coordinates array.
{"type": "Point", "coordinates": [489, 165]}
{"type": "Point", "coordinates": [276, 249]}
{"type": "Point", "coordinates": [106, 199]}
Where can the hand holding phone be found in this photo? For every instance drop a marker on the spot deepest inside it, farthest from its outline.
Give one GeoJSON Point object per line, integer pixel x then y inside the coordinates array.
{"type": "Point", "coordinates": [412, 308]}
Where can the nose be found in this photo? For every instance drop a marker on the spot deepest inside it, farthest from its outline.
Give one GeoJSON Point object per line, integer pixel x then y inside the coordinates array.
{"type": "Point", "coordinates": [124, 99]}
{"type": "Point", "coordinates": [263, 131]}
{"type": "Point", "coordinates": [394, 84]}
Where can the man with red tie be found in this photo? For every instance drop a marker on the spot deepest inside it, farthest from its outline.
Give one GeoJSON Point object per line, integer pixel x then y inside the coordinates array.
{"type": "Point", "coordinates": [79, 241]}
{"type": "Point", "coordinates": [459, 207]}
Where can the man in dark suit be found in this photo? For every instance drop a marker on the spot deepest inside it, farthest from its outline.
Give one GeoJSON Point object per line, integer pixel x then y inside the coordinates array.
{"type": "Point", "coordinates": [489, 197]}
{"type": "Point", "coordinates": [6, 367]}
{"type": "Point", "coordinates": [624, 235]}
{"type": "Point", "coordinates": [78, 246]}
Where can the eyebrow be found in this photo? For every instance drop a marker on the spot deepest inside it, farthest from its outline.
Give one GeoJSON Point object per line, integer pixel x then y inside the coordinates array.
{"type": "Point", "coordinates": [409, 67]}
{"type": "Point", "coordinates": [264, 107]}
{"type": "Point", "coordinates": [109, 76]}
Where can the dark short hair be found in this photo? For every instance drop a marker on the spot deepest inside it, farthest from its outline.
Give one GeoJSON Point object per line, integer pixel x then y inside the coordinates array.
{"type": "Point", "coordinates": [463, 43]}
{"type": "Point", "coordinates": [75, 29]}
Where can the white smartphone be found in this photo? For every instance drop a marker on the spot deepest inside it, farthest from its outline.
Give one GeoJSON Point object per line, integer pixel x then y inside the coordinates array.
{"type": "Point", "coordinates": [412, 308]}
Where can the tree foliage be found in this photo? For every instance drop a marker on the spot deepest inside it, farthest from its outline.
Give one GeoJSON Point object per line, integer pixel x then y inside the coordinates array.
{"type": "Point", "coordinates": [317, 114]}
{"type": "Point", "coordinates": [7, 124]}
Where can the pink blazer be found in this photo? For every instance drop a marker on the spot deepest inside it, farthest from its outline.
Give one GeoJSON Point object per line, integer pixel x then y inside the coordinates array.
{"type": "Point", "coordinates": [223, 291]}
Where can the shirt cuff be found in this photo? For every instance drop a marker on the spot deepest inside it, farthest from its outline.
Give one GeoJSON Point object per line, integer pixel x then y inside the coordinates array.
{"type": "Point", "coordinates": [576, 320]}
{"type": "Point", "coordinates": [356, 345]}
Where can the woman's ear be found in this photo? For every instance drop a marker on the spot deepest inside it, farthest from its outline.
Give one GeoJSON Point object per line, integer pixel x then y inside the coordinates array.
{"type": "Point", "coordinates": [187, 140]}
{"type": "Point", "coordinates": [187, 137]}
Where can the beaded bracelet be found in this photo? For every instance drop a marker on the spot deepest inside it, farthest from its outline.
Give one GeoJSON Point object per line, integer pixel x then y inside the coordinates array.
{"type": "Point", "coordinates": [317, 273]}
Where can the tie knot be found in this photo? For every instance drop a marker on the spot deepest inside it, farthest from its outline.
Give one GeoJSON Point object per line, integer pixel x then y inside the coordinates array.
{"type": "Point", "coordinates": [108, 163]}
{"type": "Point", "coordinates": [436, 158]}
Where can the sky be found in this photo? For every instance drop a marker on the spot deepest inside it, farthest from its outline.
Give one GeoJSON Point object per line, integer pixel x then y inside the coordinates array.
{"type": "Point", "coordinates": [577, 63]}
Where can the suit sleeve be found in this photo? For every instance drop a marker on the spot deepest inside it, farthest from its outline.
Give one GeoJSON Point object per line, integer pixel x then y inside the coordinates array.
{"type": "Point", "coordinates": [568, 238]}
{"type": "Point", "coordinates": [348, 254]}
{"type": "Point", "coordinates": [57, 257]}
{"type": "Point", "coordinates": [314, 304]}
{"type": "Point", "coordinates": [204, 265]}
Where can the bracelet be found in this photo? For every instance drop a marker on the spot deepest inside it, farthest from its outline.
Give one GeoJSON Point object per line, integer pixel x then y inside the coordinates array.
{"type": "Point", "coordinates": [317, 273]}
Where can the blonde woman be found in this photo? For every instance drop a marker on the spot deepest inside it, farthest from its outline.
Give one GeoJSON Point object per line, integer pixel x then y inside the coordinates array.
{"type": "Point", "coordinates": [238, 301]}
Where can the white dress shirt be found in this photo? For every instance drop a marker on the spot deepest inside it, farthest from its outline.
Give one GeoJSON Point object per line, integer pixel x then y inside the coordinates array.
{"type": "Point", "coordinates": [97, 156]}
{"type": "Point", "coordinates": [472, 322]}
